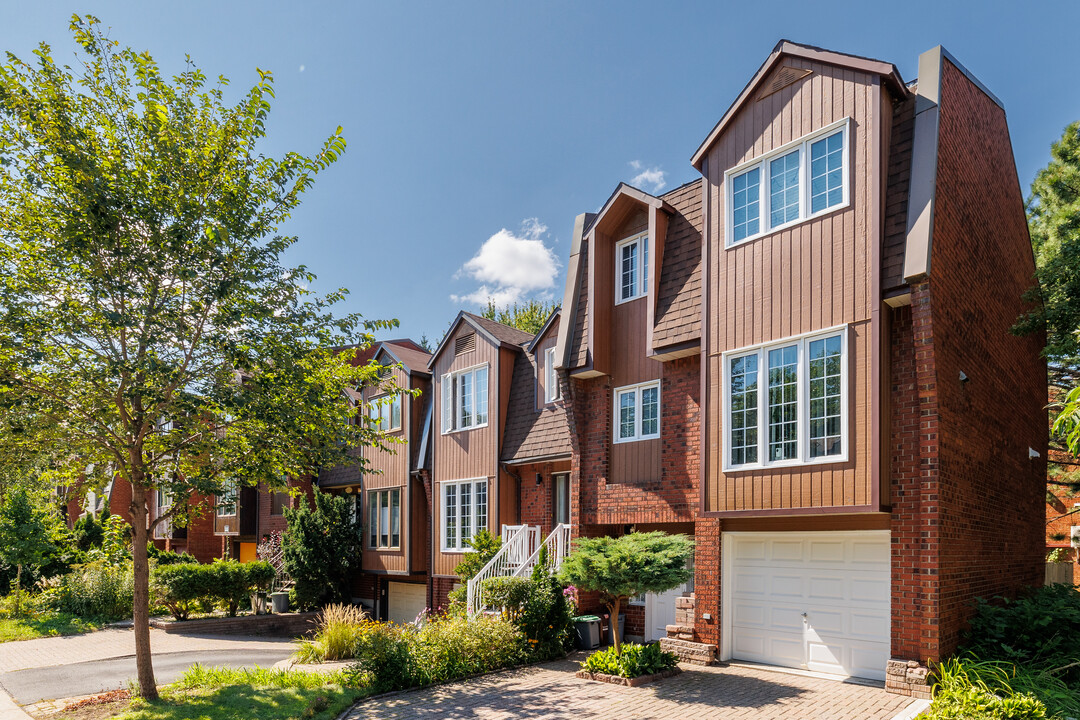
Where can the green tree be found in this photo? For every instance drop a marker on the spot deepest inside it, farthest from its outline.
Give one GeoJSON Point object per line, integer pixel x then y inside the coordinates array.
{"type": "Point", "coordinates": [24, 535]}
{"type": "Point", "coordinates": [1054, 221]}
{"type": "Point", "coordinates": [529, 316]}
{"type": "Point", "coordinates": [149, 319]}
{"type": "Point", "coordinates": [322, 548]}
{"type": "Point", "coordinates": [620, 568]}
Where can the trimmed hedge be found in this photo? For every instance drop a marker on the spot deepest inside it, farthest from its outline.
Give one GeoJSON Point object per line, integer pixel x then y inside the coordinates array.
{"type": "Point", "coordinates": [227, 583]}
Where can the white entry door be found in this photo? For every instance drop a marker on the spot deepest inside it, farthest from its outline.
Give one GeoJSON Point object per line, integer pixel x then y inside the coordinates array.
{"type": "Point", "coordinates": [814, 600]}
{"type": "Point", "coordinates": [405, 601]}
{"type": "Point", "coordinates": [660, 612]}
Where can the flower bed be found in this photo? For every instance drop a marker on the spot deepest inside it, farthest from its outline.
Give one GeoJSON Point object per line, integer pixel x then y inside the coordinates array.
{"type": "Point", "coordinates": [635, 665]}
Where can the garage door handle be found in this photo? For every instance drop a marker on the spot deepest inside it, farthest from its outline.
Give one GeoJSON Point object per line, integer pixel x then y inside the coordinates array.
{"type": "Point", "coordinates": [804, 616]}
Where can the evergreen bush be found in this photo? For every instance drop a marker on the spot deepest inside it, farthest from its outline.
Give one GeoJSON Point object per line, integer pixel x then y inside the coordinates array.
{"type": "Point", "coordinates": [322, 548]}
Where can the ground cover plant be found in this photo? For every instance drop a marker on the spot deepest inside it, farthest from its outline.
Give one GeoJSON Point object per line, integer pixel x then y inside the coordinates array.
{"type": "Point", "coordinates": [1020, 658]}
{"type": "Point", "coordinates": [634, 661]}
{"type": "Point", "coordinates": [216, 693]}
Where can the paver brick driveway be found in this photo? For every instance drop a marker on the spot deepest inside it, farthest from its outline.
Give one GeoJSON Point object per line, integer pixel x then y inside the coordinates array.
{"type": "Point", "coordinates": [552, 691]}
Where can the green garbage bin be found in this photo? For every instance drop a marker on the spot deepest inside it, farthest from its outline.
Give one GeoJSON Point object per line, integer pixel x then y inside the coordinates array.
{"type": "Point", "coordinates": [587, 628]}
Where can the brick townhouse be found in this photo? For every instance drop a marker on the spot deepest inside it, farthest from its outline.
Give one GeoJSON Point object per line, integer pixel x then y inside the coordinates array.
{"type": "Point", "coordinates": [804, 359]}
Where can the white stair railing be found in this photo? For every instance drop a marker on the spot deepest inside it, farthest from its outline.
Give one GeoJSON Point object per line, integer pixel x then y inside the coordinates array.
{"type": "Point", "coordinates": [514, 551]}
{"type": "Point", "coordinates": [558, 547]}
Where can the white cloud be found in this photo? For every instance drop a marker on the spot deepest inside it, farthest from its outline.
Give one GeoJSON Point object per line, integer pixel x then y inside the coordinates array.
{"type": "Point", "coordinates": [302, 68]}
{"type": "Point", "coordinates": [651, 179]}
{"type": "Point", "coordinates": [511, 267]}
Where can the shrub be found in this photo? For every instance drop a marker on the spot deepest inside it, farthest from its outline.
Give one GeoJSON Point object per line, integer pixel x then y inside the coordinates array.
{"type": "Point", "coordinates": [88, 533]}
{"type": "Point", "coordinates": [454, 647]}
{"type": "Point", "coordinates": [384, 656]}
{"type": "Point", "coordinates": [229, 584]}
{"type": "Point", "coordinates": [179, 587]}
{"type": "Point", "coordinates": [338, 634]}
{"type": "Point", "coordinates": [538, 607]}
{"type": "Point", "coordinates": [97, 590]}
{"type": "Point", "coordinates": [634, 661]}
{"type": "Point", "coordinates": [1039, 627]}
{"type": "Point", "coordinates": [321, 548]}
{"type": "Point", "coordinates": [168, 557]}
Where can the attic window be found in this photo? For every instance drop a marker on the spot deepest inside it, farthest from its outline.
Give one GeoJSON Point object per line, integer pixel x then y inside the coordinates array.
{"type": "Point", "coordinates": [784, 76]}
{"type": "Point", "coordinates": [464, 344]}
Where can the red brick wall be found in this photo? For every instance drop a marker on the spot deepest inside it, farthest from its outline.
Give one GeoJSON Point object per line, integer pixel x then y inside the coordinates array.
{"type": "Point", "coordinates": [537, 500]}
{"type": "Point", "coordinates": [674, 498]}
{"type": "Point", "coordinates": [201, 540]}
{"type": "Point", "coordinates": [440, 590]}
{"type": "Point", "coordinates": [991, 495]}
{"type": "Point", "coordinates": [707, 580]}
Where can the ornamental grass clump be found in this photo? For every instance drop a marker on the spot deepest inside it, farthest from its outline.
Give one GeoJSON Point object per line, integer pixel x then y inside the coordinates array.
{"type": "Point", "coordinates": [340, 630]}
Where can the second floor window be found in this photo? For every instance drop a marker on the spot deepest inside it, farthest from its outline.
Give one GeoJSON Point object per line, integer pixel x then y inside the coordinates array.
{"type": "Point", "coordinates": [551, 378]}
{"type": "Point", "coordinates": [464, 512]}
{"type": "Point", "coordinates": [385, 412]}
{"type": "Point", "coordinates": [226, 501]}
{"type": "Point", "coordinates": [637, 412]}
{"type": "Point", "coordinates": [785, 402]}
{"type": "Point", "coordinates": [788, 185]}
{"type": "Point", "coordinates": [384, 518]}
{"type": "Point", "coordinates": [465, 399]}
{"type": "Point", "coordinates": [632, 268]}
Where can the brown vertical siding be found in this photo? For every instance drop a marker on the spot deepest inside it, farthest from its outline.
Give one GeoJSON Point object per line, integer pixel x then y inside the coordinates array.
{"type": "Point", "coordinates": [808, 277]}
{"type": "Point", "coordinates": [465, 454]}
{"type": "Point", "coordinates": [389, 469]}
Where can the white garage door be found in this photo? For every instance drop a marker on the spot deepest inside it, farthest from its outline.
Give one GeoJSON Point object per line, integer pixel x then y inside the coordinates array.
{"type": "Point", "coordinates": [405, 601]}
{"type": "Point", "coordinates": [813, 600]}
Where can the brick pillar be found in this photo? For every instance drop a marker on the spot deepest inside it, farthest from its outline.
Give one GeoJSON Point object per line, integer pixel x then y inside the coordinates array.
{"type": "Point", "coordinates": [707, 581]}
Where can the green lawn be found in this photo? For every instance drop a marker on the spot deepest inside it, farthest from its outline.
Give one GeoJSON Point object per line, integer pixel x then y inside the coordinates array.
{"type": "Point", "coordinates": [213, 693]}
{"type": "Point", "coordinates": [44, 625]}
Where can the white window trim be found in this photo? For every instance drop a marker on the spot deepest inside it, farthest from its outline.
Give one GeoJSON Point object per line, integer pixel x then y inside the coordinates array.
{"type": "Point", "coordinates": [642, 270]}
{"type": "Point", "coordinates": [637, 388]}
{"type": "Point", "coordinates": [231, 489]}
{"type": "Point", "coordinates": [551, 378]}
{"type": "Point", "coordinates": [472, 513]}
{"type": "Point", "coordinates": [384, 403]}
{"type": "Point", "coordinates": [452, 378]}
{"type": "Point", "coordinates": [390, 518]}
{"type": "Point", "coordinates": [803, 380]}
{"type": "Point", "coordinates": [764, 212]}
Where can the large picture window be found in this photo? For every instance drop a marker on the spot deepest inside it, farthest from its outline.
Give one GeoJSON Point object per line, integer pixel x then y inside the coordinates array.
{"type": "Point", "coordinates": [791, 184]}
{"type": "Point", "coordinates": [464, 512]}
{"type": "Point", "coordinates": [465, 399]}
{"type": "Point", "coordinates": [384, 518]}
{"type": "Point", "coordinates": [637, 412]}
{"type": "Point", "coordinates": [786, 402]}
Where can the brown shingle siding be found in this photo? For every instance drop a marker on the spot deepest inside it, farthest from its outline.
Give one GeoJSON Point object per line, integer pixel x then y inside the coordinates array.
{"type": "Point", "coordinates": [678, 305]}
{"type": "Point", "coordinates": [532, 433]}
{"type": "Point", "coordinates": [896, 196]}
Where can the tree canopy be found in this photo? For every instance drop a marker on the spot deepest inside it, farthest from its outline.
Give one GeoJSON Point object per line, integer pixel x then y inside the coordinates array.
{"type": "Point", "coordinates": [620, 568]}
{"type": "Point", "coordinates": [149, 320]}
{"type": "Point", "coordinates": [529, 316]}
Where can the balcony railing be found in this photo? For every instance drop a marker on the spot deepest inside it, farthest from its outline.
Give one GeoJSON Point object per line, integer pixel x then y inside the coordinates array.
{"type": "Point", "coordinates": [519, 554]}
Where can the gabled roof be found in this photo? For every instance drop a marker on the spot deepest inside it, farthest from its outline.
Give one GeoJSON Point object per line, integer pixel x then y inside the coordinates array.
{"type": "Point", "coordinates": [786, 48]}
{"type": "Point", "coordinates": [531, 347]}
{"type": "Point", "coordinates": [413, 360]}
{"type": "Point", "coordinates": [627, 192]}
{"type": "Point", "coordinates": [497, 333]}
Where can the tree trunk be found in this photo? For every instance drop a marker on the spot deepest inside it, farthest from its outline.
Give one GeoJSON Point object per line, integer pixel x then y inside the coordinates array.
{"type": "Point", "coordinates": [613, 608]}
{"type": "Point", "coordinates": [141, 606]}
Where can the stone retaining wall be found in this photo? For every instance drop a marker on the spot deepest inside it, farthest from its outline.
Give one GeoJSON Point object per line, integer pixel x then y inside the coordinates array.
{"type": "Point", "coordinates": [280, 625]}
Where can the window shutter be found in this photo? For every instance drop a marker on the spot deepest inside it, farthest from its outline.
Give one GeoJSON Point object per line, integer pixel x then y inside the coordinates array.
{"type": "Point", "coordinates": [447, 403]}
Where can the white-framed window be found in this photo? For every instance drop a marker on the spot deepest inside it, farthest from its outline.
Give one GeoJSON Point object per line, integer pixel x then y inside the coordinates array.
{"type": "Point", "coordinates": [788, 185]}
{"type": "Point", "coordinates": [385, 412]}
{"type": "Point", "coordinates": [786, 401]}
{"type": "Point", "coordinates": [384, 518]}
{"type": "Point", "coordinates": [637, 412]}
{"type": "Point", "coordinates": [632, 268]}
{"type": "Point", "coordinates": [464, 512]}
{"type": "Point", "coordinates": [226, 501]}
{"type": "Point", "coordinates": [465, 399]}
{"type": "Point", "coordinates": [551, 378]}
{"type": "Point", "coordinates": [164, 500]}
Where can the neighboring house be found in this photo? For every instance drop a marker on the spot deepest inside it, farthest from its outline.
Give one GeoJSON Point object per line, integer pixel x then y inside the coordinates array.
{"type": "Point", "coordinates": [473, 371]}
{"type": "Point", "coordinates": [392, 498]}
{"type": "Point", "coordinates": [632, 351]}
{"type": "Point", "coordinates": [855, 438]}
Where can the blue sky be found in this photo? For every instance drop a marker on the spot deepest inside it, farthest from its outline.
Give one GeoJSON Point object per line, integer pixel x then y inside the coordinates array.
{"type": "Point", "coordinates": [477, 131]}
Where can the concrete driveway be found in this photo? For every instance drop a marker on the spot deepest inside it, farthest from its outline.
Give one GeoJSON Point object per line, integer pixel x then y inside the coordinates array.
{"type": "Point", "coordinates": [551, 691]}
{"type": "Point", "coordinates": [63, 667]}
